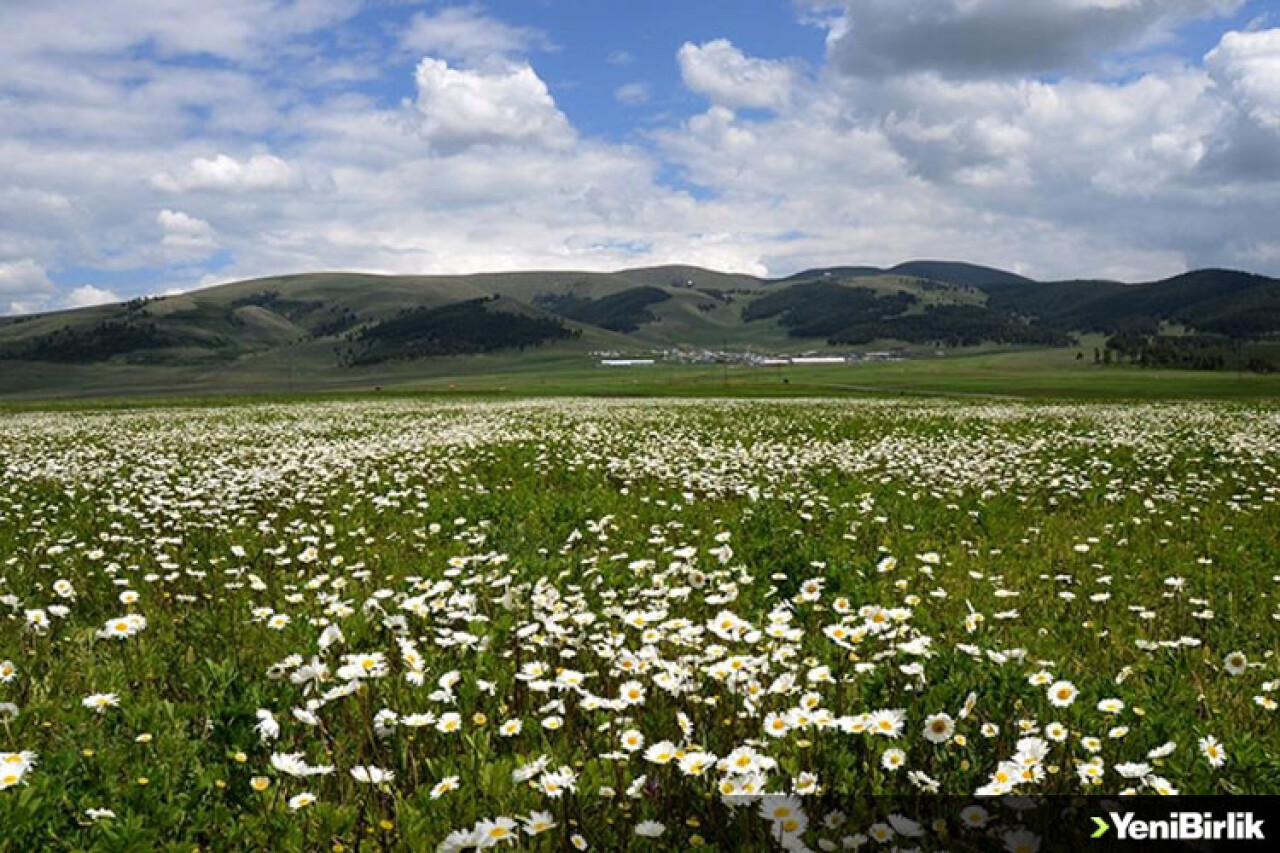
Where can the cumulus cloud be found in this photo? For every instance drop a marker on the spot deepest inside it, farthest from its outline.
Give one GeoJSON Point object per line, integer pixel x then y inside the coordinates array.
{"type": "Point", "coordinates": [729, 78]}
{"type": "Point", "coordinates": [466, 34]}
{"type": "Point", "coordinates": [87, 295]}
{"type": "Point", "coordinates": [1171, 166]}
{"type": "Point", "coordinates": [463, 107]}
{"type": "Point", "coordinates": [23, 278]}
{"type": "Point", "coordinates": [185, 233]}
{"type": "Point", "coordinates": [258, 172]}
{"type": "Point", "coordinates": [1008, 171]}
{"type": "Point", "coordinates": [1247, 66]}
{"type": "Point", "coordinates": [977, 38]}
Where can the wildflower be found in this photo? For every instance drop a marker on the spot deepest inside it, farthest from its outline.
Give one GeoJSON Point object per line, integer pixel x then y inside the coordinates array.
{"type": "Point", "coordinates": [1235, 663]}
{"type": "Point", "coordinates": [100, 702]}
{"type": "Point", "coordinates": [555, 784]}
{"type": "Point", "coordinates": [888, 723]}
{"type": "Point", "coordinates": [892, 759]}
{"type": "Point", "coordinates": [742, 761]}
{"type": "Point", "coordinates": [785, 813]}
{"type": "Point", "coordinates": [357, 666]}
{"type": "Point", "coordinates": [293, 764]}
{"type": "Point", "coordinates": [1212, 750]}
{"type": "Point", "coordinates": [775, 724]}
{"type": "Point", "coordinates": [696, 763]}
{"type": "Point", "coordinates": [1062, 694]}
{"type": "Point", "coordinates": [372, 775]}
{"type": "Point", "coordinates": [661, 752]}
{"type": "Point", "coordinates": [301, 801]}
{"type": "Point", "coordinates": [267, 727]}
{"type": "Point", "coordinates": [939, 728]}
{"type": "Point", "coordinates": [1133, 770]}
{"type": "Point", "coordinates": [1023, 840]}
{"type": "Point", "coordinates": [14, 767]}
{"type": "Point", "coordinates": [489, 833]}
{"type": "Point", "coordinates": [538, 822]}
{"type": "Point", "coordinates": [123, 627]}
{"type": "Point", "coordinates": [631, 693]}
{"type": "Point", "coordinates": [650, 829]}
{"type": "Point", "coordinates": [881, 832]}
{"type": "Point", "coordinates": [457, 841]}
{"type": "Point", "coordinates": [444, 786]}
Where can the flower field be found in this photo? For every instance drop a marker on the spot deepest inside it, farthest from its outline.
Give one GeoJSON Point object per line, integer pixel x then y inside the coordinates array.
{"type": "Point", "coordinates": [613, 625]}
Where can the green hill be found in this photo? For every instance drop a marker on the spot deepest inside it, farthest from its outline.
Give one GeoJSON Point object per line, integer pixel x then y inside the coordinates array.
{"type": "Point", "coordinates": [339, 329]}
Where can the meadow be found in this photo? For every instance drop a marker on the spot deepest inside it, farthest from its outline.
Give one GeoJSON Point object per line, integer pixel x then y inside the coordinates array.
{"type": "Point", "coordinates": [625, 624]}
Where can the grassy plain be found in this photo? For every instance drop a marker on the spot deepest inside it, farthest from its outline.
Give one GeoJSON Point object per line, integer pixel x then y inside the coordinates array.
{"type": "Point", "coordinates": [1033, 374]}
{"type": "Point", "coordinates": [409, 624]}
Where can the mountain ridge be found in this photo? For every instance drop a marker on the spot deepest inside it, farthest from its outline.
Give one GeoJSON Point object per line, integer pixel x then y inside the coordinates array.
{"type": "Point", "coordinates": [342, 321]}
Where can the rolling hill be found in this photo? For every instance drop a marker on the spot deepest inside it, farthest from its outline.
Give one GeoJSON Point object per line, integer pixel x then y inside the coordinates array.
{"type": "Point", "coordinates": [337, 329]}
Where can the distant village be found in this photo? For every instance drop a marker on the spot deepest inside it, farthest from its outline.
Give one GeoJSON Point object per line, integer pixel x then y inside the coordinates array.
{"type": "Point", "coordinates": [608, 358]}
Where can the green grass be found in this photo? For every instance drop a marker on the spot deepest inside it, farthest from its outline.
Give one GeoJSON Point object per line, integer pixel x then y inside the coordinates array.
{"type": "Point", "coordinates": [303, 370]}
{"type": "Point", "coordinates": [1127, 549]}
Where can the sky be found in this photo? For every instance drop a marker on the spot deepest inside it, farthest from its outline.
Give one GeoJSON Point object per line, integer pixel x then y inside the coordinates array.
{"type": "Point", "coordinates": [156, 146]}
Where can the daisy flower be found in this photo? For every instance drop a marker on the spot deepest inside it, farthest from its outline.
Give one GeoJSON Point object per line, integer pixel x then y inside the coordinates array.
{"type": "Point", "coordinates": [1062, 694]}
{"type": "Point", "coordinates": [1235, 663]}
{"type": "Point", "coordinates": [939, 728]}
{"type": "Point", "coordinates": [100, 702]}
{"type": "Point", "coordinates": [372, 775]}
{"type": "Point", "coordinates": [444, 786]}
{"type": "Point", "coordinates": [1212, 750]}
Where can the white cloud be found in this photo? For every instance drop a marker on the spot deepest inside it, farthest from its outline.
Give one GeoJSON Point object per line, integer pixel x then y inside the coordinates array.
{"type": "Point", "coordinates": [467, 34]}
{"type": "Point", "coordinates": [464, 107]}
{"type": "Point", "coordinates": [978, 38]}
{"type": "Point", "coordinates": [1247, 66]}
{"type": "Point", "coordinates": [185, 233]}
{"type": "Point", "coordinates": [232, 29]}
{"type": "Point", "coordinates": [87, 295]}
{"type": "Point", "coordinates": [633, 94]}
{"type": "Point", "coordinates": [1081, 174]}
{"type": "Point", "coordinates": [725, 75]}
{"type": "Point", "coordinates": [259, 172]}
{"type": "Point", "coordinates": [23, 278]}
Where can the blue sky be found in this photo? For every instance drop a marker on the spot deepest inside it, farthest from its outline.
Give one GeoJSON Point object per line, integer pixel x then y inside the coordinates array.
{"type": "Point", "coordinates": [159, 145]}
